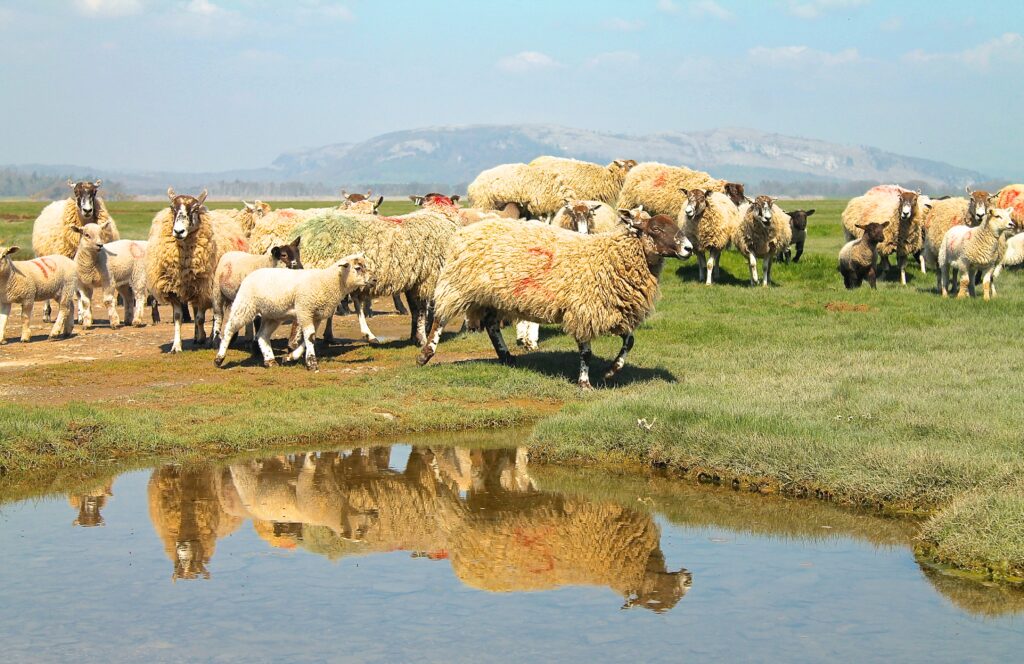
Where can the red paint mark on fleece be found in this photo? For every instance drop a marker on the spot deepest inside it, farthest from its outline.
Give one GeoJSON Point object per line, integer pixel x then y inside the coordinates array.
{"type": "Point", "coordinates": [660, 180]}
{"type": "Point", "coordinates": [241, 244]}
{"type": "Point", "coordinates": [440, 554]}
{"type": "Point", "coordinates": [1012, 199]}
{"type": "Point", "coordinates": [287, 214]}
{"type": "Point", "coordinates": [533, 541]}
{"type": "Point", "coordinates": [225, 276]}
{"type": "Point", "coordinates": [394, 220]}
{"type": "Point", "coordinates": [442, 201]}
{"type": "Point", "coordinates": [136, 250]}
{"type": "Point", "coordinates": [46, 266]}
{"type": "Point", "coordinates": [531, 283]}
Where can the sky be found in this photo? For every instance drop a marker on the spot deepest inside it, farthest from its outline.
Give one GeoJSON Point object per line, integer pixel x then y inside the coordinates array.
{"type": "Point", "coordinates": [207, 85]}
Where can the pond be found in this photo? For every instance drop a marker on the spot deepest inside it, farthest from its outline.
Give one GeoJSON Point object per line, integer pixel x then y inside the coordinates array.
{"type": "Point", "coordinates": [420, 551]}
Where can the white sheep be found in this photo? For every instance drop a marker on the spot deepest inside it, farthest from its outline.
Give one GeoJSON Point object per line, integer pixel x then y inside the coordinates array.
{"type": "Point", "coordinates": [1013, 256]}
{"type": "Point", "coordinates": [764, 232]}
{"type": "Point", "coordinates": [709, 220]}
{"type": "Point", "coordinates": [970, 250]}
{"type": "Point", "coordinates": [306, 297]}
{"type": "Point", "coordinates": [505, 269]}
{"type": "Point", "coordinates": [588, 180]}
{"type": "Point", "coordinates": [539, 192]}
{"type": "Point", "coordinates": [92, 275]}
{"type": "Point", "coordinates": [235, 266]}
{"type": "Point", "coordinates": [37, 280]}
{"type": "Point", "coordinates": [124, 266]}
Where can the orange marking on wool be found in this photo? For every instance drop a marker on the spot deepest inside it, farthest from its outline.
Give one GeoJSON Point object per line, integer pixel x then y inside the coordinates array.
{"type": "Point", "coordinates": [535, 544]}
{"type": "Point", "coordinates": [1010, 199]}
{"type": "Point", "coordinates": [440, 554]}
{"type": "Point", "coordinates": [394, 220]}
{"type": "Point", "coordinates": [46, 265]}
{"type": "Point", "coordinates": [241, 244]}
{"type": "Point", "coordinates": [136, 250]}
{"type": "Point", "coordinates": [660, 180]}
{"type": "Point", "coordinates": [531, 283]}
{"type": "Point", "coordinates": [287, 214]}
{"type": "Point", "coordinates": [225, 276]}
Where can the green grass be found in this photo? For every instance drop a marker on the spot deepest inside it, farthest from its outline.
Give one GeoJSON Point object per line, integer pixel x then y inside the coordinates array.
{"type": "Point", "coordinates": [892, 398]}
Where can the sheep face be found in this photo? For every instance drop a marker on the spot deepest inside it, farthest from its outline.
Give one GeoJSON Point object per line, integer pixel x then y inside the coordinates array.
{"type": "Point", "coordinates": [977, 205]}
{"type": "Point", "coordinates": [661, 235]}
{"type": "Point", "coordinates": [5, 260]}
{"type": "Point", "coordinates": [581, 215]}
{"type": "Point", "coordinates": [85, 198]}
{"type": "Point", "coordinates": [908, 201]}
{"type": "Point", "coordinates": [798, 219]}
{"type": "Point", "coordinates": [91, 235]}
{"type": "Point", "coordinates": [622, 166]}
{"type": "Point", "coordinates": [186, 211]}
{"type": "Point", "coordinates": [696, 202]}
{"type": "Point", "coordinates": [762, 210]}
{"type": "Point", "coordinates": [259, 209]}
{"type": "Point", "coordinates": [1000, 221]}
{"type": "Point", "coordinates": [873, 232]}
{"type": "Point", "coordinates": [735, 192]}
{"type": "Point", "coordinates": [288, 254]}
{"type": "Point", "coordinates": [353, 272]}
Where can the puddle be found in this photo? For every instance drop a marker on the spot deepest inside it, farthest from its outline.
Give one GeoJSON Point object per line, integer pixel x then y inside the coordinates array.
{"type": "Point", "coordinates": [418, 552]}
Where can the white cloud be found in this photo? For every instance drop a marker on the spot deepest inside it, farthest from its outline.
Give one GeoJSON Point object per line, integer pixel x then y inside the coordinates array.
{"type": "Point", "coordinates": [1007, 48]}
{"type": "Point", "coordinates": [711, 9]}
{"type": "Point", "coordinates": [801, 56]}
{"type": "Point", "coordinates": [613, 59]}
{"type": "Point", "coordinates": [525, 61]}
{"type": "Point", "coordinates": [667, 6]}
{"type": "Point", "coordinates": [623, 25]}
{"type": "Point", "coordinates": [108, 7]}
{"type": "Point", "coordinates": [892, 24]}
{"type": "Point", "coordinates": [816, 8]}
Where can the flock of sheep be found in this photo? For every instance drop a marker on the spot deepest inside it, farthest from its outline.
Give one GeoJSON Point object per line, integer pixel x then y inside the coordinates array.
{"type": "Point", "coordinates": [553, 241]}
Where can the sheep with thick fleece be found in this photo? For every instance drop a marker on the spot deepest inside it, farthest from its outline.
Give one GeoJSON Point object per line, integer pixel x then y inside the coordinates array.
{"type": "Point", "coordinates": [91, 275]}
{"type": "Point", "coordinates": [708, 219]}
{"type": "Point", "coordinates": [659, 187]}
{"type": "Point", "coordinates": [970, 250]}
{"type": "Point", "coordinates": [123, 264]}
{"type": "Point", "coordinates": [590, 284]}
{"type": "Point", "coordinates": [53, 230]}
{"type": "Point", "coordinates": [247, 216]}
{"type": "Point", "coordinates": [37, 280]}
{"type": "Point", "coordinates": [235, 266]}
{"type": "Point", "coordinates": [945, 214]}
{"type": "Point", "coordinates": [278, 226]}
{"type": "Point", "coordinates": [904, 209]}
{"type": "Point", "coordinates": [589, 181]}
{"type": "Point", "coordinates": [405, 253]}
{"type": "Point", "coordinates": [539, 192]}
{"type": "Point", "coordinates": [306, 297]}
{"type": "Point", "coordinates": [1012, 196]}
{"type": "Point", "coordinates": [185, 246]}
{"type": "Point", "coordinates": [763, 233]}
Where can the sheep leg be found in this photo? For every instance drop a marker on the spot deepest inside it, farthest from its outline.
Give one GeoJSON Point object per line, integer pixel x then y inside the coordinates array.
{"type": "Point", "coordinates": [920, 261]}
{"type": "Point", "coordinates": [263, 340]}
{"type": "Point", "coordinates": [85, 307]}
{"type": "Point", "coordinates": [901, 262]}
{"type": "Point", "coordinates": [714, 265]}
{"type": "Point", "coordinates": [110, 300]}
{"type": "Point", "coordinates": [5, 312]}
{"type": "Point", "coordinates": [428, 350]}
{"type": "Point", "coordinates": [799, 252]}
{"type": "Point", "coordinates": [362, 306]}
{"type": "Point", "coordinates": [966, 284]}
{"type": "Point", "coordinates": [176, 315]}
{"type": "Point", "coordinates": [26, 320]}
{"type": "Point", "coordinates": [422, 317]}
{"type": "Point", "coordinates": [186, 315]}
{"type": "Point", "coordinates": [992, 279]}
{"type": "Point", "coordinates": [986, 285]}
{"type": "Point", "coordinates": [767, 270]}
{"type": "Point", "coordinates": [709, 268]}
{"type": "Point", "coordinates": [308, 336]}
{"type": "Point", "coordinates": [585, 356]}
{"type": "Point", "coordinates": [416, 332]}
{"type": "Point", "coordinates": [65, 317]}
{"type": "Point", "coordinates": [493, 327]}
{"type": "Point", "coordinates": [344, 307]}
{"type": "Point", "coordinates": [752, 262]}
{"type": "Point", "coordinates": [620, 359]}
{"type": "Point", "coordinates": [701, 266]}
{"type": "Point", "coordinates": [944, 274]}
{"type": "Point", "coordinates": [399, 307]}
{"type": "Point", "coordinates": [46, 312]}
{"type": "Point", "coordinates": [199, 337]}
{"type": "Point", "coordinates": [872, 278]}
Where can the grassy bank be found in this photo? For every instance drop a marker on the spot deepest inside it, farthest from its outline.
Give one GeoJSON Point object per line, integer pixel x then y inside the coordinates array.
{"type": "Point", "coordinates": [890, 398]}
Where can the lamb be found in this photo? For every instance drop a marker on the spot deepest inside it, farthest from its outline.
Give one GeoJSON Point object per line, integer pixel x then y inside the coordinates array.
{"type": "Point", "coordinates": [1012, 257]}
{"type": "Point", "coordinates": [536, 192]}
{"type": "Point", "coordinates": [52, 232]}
{"type": "Point", "coordinates": [905, 209]}
{"type": "Point", "coordinates": [970, 250]}
{"type": "Point", "coordinates": [658, 187]}
{"type": "Point", "coordinates": [857, 258]}
{"type": "Point", "coordinates": [589, 181]}
{"type": "Point", "coordinates": [405, 253]}
{"type": "Point", "coordinates": [763, 233]}
{"type": "Point", "coordinates": [235, 266]}
{"type": "Point", "coordinates": [945, 214]}
{"type": "Point", "coordinates": [185, 246]}
{"type": "Point", "coordinates": [123, 263]}
{"type": "Point", "coordinates": [708, 219]}
{"type": "Point", "coordinates": [305, 296]}
{"type": "Point", "coordinates": [587, 217]}
{"type": "Point", "coordinates": [247, 216]}
{"type": "Point", "coordinates": [37, 280]}
{"type": "Point", "coordinates": [798, 229]}
{"type": "Point", "coordinates": [591, 284]}
{"type": "Point", "coordinates": [92, 275]}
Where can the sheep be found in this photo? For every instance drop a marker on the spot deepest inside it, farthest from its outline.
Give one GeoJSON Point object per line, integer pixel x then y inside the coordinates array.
{"type": "Point", "coordinates": [405, 253]}
{"type": "Point", "coordinates": [857, 258]}
{"type": "Point", "coordinates": [92, 275]}
{"type": "Point", "coordinates": [708, 219]}
{"type": "Point", "coordinates": [123, 263]}
{"type": "Point", "coordinates": [364, 203]}
{"type": "Point", "coordinates": [37, 280]}
{"type": "Point", "coordinates": [1012, 257]}
{"type": "Point", "coordinates": [537, 192]}
{"type": "Point", "coordinates": [905, 209]}
{"type": "Point", "coordinates": [185, 246]}
{"type": "Point", "coordinates": [471, 215]}
{"type": "Point", "coordinates": [763, 233]}
{"type": "Point", "coordinates": [234, 266]}
{"type": "Point", "coordinates": [52, 232]}
{"type": "Point", "coordinates": [1012, 196]}
{"type": "Point", "coordinates": [945, 214]}
{"type": "Point", "coordinates": [591, 284]}
{"type": "Point", "coordinates": [247, 216]}
{"type": "Point", "coordinates": [658, 187]}
{"type": "Point", "coordinates": [970, 250]}
{"type": "Point", "coordinates": [589, 181]}
{"type": "Point", "coordinates": [798, 229]}
{"type": "Point", "coordinates": [304, 296]}
{"type": "Point", "coordinates": [587, 217]}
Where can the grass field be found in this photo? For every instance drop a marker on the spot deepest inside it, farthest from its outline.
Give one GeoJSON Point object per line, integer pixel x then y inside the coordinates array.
{"type": "Point", "coordinates": [891, 398]}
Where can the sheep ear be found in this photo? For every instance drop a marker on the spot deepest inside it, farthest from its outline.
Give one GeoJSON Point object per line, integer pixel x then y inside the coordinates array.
{"type": "Point", "coordinates": [885, 224]}
{"type": "Point", "coordinates": [77, 229]}
{"type": "Point", "coordinates": [71, 183]}
{"type": "Point", "coordinates": [810, 212]}
{"type": "Point", "coordinates": [686, 192]}
{"type": "Point", "coordinates": [595, 208]}
{"type": "Point", "coordinates": [97, 183]}
{"type": "Point", "coordinates": [249, 206]}
{"type": "Point", "coordinates": [369, 193]}
{"type": "Point", "coordinates": [380, 199]}
{"type": "Point", "coordinates": [105, 225]}
{"type": "Point", "coordinates": [276, 252]}
{"type": "Point", "coordinates": [202, 197]}
{"type": "Point", "coordinates": [455, 198]}
{"type": "Point", "coordinates": [860, 226]}
{"type": "Point", "coordinates": [11, 250]}
{"type": "Point", "coordinates": [707, 193]}
{"type": "Point", "coordinates": [170, 193]}
{"type": "Point", "coordinates": [968, 190]}
{"type": "Point", "coordinates": [295, 242]}
{"type": "Point", "coordinates": [418, 200]}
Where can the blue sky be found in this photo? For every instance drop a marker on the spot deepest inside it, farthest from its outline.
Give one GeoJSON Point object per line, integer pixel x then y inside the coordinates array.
{"type": "Point", "coordinates": [215, 84]}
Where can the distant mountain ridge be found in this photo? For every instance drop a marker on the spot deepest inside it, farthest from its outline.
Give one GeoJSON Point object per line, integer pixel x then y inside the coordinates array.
{"type": "Point", "coordinates": [451, 156]}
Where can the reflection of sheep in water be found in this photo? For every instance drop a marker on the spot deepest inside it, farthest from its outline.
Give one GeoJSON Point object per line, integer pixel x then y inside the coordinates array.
{"type": "Point", "coordinates": [90, 503]}
{"type": "Point", "coordinates": [188, 516]}
{"type": "Point", "coordinates": [566, 541]}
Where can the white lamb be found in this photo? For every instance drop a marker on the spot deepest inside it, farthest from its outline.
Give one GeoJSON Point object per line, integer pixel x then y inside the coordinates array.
{"type": "Point", "coordinates": [307, 297]}
{"type": "Point", "coordinates": [37, 280]}
{"type": "Point", "coordinates": [970, 250]}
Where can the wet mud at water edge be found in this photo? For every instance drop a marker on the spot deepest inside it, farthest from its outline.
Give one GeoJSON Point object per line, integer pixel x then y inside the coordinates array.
{"type": "Point", "coordinates": [420, 551]}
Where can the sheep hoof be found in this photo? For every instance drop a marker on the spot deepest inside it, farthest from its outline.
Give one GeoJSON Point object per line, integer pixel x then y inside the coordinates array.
{"type": "Point", "coordinates": [269, 363]}
{"type": "Point", "coordinates": [312, 365]}
{"type": "Point", "coordinates": [423, 358]}
{"type": "Point", "coordinates": [219, 360]}
{"type": "Point", "coordinates": [376, 341]}
{"type": "Point", "coordinates": [585, 385]}
{"type": "Point", "coordinates": [138, 323]}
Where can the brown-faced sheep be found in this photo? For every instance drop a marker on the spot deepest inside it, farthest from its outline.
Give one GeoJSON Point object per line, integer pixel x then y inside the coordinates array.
{"type": "Point", "coordinates": [53, 230]}
{"type": "Point", "coordinates": [590, 284]}
{"type": "Point", "coordinates": [905, 211]}
{"type": "Point", "coordinates": [763, 233]}
{"type": "Point", "coordinates": [709, 220]}
{"type": "Point", "coordinates": [858, 257]}
{"type": "Point", "coordinates": [37, 280]}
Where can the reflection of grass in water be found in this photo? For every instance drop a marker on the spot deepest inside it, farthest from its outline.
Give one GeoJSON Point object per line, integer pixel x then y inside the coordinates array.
{"type": "Point", "coordinates": [708, 506]}
{"type": "Point", "coordinates": [989, 599]}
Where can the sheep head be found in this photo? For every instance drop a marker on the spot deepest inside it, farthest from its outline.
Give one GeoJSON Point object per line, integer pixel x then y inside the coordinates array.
{"type": "Point", "coordinates": [91, 235]}
{"type": "Point", "coordinates": [353, 272]}
{"type": "Point", "coordinates": [978, 204]}
{"type": "Point", "coordinates": [1000, 220]}
{"type": "Point", "coordinates": [908, 201]}
{"type": "Point", "coordinates": [736, 194]}
{"type": "Point", "coordinates": [762, 209]}
{"type": "Point", "coordinates": [581, 214]}
{"type": "Point", "coordinates": [660, 234]}
{"type": "Point", "coordinates": [288, 254]}
{"type": "Point", "coordinates": [190, 558]}
{"type": "Point", "coordinates": [85, 198]}
{"type": "Point", "coordinates": [5, 258]}
{"type": "Point", "coordinates": [696, 202]}
{"type": "Point", "coordinates": [621, 166]}
{"type": "Point", "coordinates": [874, 232]}
{"type": "Point", "coordinates": [186, 211]}
{"type": "Point", "coordinates": [798, 219]}
{"type": "Point", "coordinates": [434, 199]}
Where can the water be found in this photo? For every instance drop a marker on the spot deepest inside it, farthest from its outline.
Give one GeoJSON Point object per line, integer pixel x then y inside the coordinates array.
{"type": "Point", "coordinates": [443, 554]}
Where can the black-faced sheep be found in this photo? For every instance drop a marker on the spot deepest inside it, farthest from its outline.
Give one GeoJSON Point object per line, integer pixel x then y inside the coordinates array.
{"type": "Point", "coordinates": [798, 230]}
{"type": "Point", "coordinates": [858, 257]}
